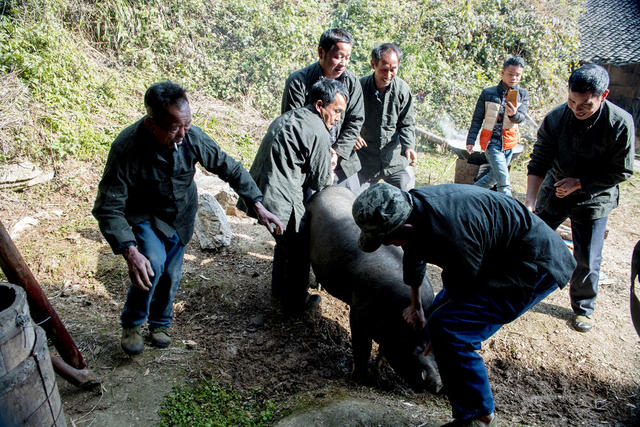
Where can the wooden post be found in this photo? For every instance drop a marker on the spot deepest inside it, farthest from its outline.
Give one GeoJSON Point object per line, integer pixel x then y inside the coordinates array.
{"type": "Point", "coordinates": [18, 273]}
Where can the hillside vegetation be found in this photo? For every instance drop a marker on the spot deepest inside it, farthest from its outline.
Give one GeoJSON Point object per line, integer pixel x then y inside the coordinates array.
{"type": "Point", "coordinates": [72, 72]}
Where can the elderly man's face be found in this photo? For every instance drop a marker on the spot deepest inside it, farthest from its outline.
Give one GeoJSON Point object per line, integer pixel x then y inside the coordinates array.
{"type": "Point", "coordinates": [585, 105]}
{"type": "Point", "coordinates": [173, 127]}
{"type": "Point", "coordinates": [386, 69]}
{"type": "Point", "coordinates": [332, 113]}
{"type": "Point", "coordinates": [334, 62]}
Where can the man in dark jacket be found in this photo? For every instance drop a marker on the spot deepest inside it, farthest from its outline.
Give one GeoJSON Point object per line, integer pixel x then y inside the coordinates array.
{"type": "Point", "coordinates": [334, 52]}
{"type": "Point", "coordinates": [497, 121]}
{"type": "Point", "coordinates": [585, 148]}
{"type": "Point", "coordinates": [295, 156]}
{"type": "Point", "coordinates": [147, 202]}
{"type": "Point", "coordinates": [387, 141]}
{"type": "Point", "coordinates": [498, 260]}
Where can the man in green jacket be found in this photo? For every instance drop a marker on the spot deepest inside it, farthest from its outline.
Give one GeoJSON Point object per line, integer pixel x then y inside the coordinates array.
{"type": "Point", "coordinates": [147, 202]}
{"type": "Point", "coordinates": [585, 148]}
{"type": "Point", "coordinates": [334, 52]}
{"type": "Point", "coordinates": [296, 156]}
{"type": "Point", "coordinates": [387, 142]}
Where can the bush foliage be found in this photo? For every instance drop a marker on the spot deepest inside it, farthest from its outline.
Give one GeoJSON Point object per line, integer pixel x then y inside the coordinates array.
{"type": "Point", "coordinates": [86, 64]}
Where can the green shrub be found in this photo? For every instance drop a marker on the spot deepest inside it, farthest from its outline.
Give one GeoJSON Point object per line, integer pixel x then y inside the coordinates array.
{"type": "Point", "coordinates": [86, 64]}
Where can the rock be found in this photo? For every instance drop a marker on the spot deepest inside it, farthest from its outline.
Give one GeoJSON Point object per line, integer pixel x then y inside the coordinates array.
{"type": "Point", "coordinates": [28, 222]}
{"type": "Point", "coordinates": [190, 344]}
{"type": "Point", "coordinates": [217, 188]}
{"type": "Point", "coordinates": [211, 224]}
{"type": "Point", "coordinates": [22, 175]}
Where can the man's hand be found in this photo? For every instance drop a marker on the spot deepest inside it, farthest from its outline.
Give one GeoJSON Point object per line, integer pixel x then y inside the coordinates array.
{"type": "Point", "coordinates": [411, 155]}
{"type": "Point", "coordinates": [566, 186]}
{"type": "Point", "coordinates": [360, 143]}
{"type": "Point", "coordinates": [414, 317]}
{"type": "Point", "coordinates": [470, 148]}
{"type": "Point", "coordinates": [510, 109]}
{"type": "Point", "coordinates": [413, 314]}
{"type": "Point", "coordinates": [268, 219]}
{"type": "Point", "coordinates": [334, 159]}
{"type": "Point", "coordinates": [140, 270]}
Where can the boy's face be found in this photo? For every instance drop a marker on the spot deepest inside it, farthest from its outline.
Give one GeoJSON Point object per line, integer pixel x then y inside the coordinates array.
{"type": "Point", "coordinates": [511, 75]}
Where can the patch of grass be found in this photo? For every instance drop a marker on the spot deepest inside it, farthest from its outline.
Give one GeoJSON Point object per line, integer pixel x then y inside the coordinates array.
{"type": "Point", "coordinates": [208, 403]}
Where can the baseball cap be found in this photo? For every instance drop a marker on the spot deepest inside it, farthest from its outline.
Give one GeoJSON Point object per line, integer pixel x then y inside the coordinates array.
{"type": "Point", "coordinates": [378, 211]}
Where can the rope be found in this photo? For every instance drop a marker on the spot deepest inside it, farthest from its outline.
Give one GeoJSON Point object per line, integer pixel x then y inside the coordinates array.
{"type": "Point", "coordinates": [36, 356]}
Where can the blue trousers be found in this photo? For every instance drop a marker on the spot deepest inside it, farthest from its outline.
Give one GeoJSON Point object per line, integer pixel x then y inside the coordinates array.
{"type": "Point", "coordinates": [457, 328]}
{"type": "Point", "coordinates": [588, 240]}
{"type": "Point", "coordinates": [499, 172]}
{"type": "Point", "coordinates": [166, 256]}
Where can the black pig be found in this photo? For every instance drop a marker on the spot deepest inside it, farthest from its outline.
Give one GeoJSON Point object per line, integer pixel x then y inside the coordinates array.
{"type": "Point", "coordinates": [372, 285]}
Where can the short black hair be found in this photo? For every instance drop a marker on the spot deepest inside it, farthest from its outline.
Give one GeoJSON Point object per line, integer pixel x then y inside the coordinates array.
{"type": "Point", "coordinates": [513, 60]}
{"type": "Point", "coordinates": [326, 90]}
{"type": "Point", "coordinates": [589, 78]}
{"type": "Point", "coordinates": [380, 50]}
{"type": "Point", "coordinates": [332, 36]}
{"type": "Point", "coordinates": [160, 96]}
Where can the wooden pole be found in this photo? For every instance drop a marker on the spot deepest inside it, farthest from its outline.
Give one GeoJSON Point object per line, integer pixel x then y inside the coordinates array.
{"type": "Point", "coordinates": [18, 273]}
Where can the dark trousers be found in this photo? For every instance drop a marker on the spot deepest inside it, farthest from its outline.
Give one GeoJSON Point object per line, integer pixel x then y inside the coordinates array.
{"type": "Point", "coordinates": [291, 265]}
{"type": "Point", "coordinates": [457, 328]}
{"type": "Point", "coordinates": [588, 240]}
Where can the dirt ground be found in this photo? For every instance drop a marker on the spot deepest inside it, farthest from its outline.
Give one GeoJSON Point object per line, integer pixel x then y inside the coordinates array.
{"type": "Point", "coordinates": [542, 371]}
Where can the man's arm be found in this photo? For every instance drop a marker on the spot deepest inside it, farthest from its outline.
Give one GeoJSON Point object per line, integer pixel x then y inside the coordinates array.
{"type": "Point", "coordinates": [108, 209]}
{"type": "Point", "coordinates": [414, 269]}
{"type": "Point", "coordinates": [545, 149]}
{"type": "Point", "coordinates": [294, 95]}
{"type": "Point", "coordinates": [320, 169]}
{"type": "Point", "coordinates": [533, 185]}
{"type": "Point", "coordinates": [352, 123]}
{"type": "Point", "coordinates": [111, 201]}
{"type": "Point", "coordinates": [231, 171]}
{"type": "Point", "coordinates": [406, 129]}
{"type": "Point", "coordinates": [476, 123]}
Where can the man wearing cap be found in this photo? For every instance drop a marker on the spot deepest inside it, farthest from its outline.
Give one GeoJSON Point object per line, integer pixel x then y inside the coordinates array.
{"type": "Point", "coordinates": [498, 260]}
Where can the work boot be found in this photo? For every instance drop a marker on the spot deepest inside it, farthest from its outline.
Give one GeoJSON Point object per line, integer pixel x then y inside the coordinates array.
{"type": "Point", "coordinates": [131, 341]}
{"type": "Point", "coordinates": [160, 337]}
{"type": "Point", "coordinates": [583, 323]}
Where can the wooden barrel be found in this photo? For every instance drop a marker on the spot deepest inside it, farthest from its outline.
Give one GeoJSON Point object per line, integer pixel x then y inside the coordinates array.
{"type": "Point", "coordinates": [28, 389]}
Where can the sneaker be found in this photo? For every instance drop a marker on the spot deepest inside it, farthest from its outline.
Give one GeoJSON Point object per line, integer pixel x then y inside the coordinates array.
{"type": "Point", "coordinates": [583, 323]}
{"type": "Point", "coordinates": [160, 337]}
{"type": "Point", "coordinates": [131, 341]}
